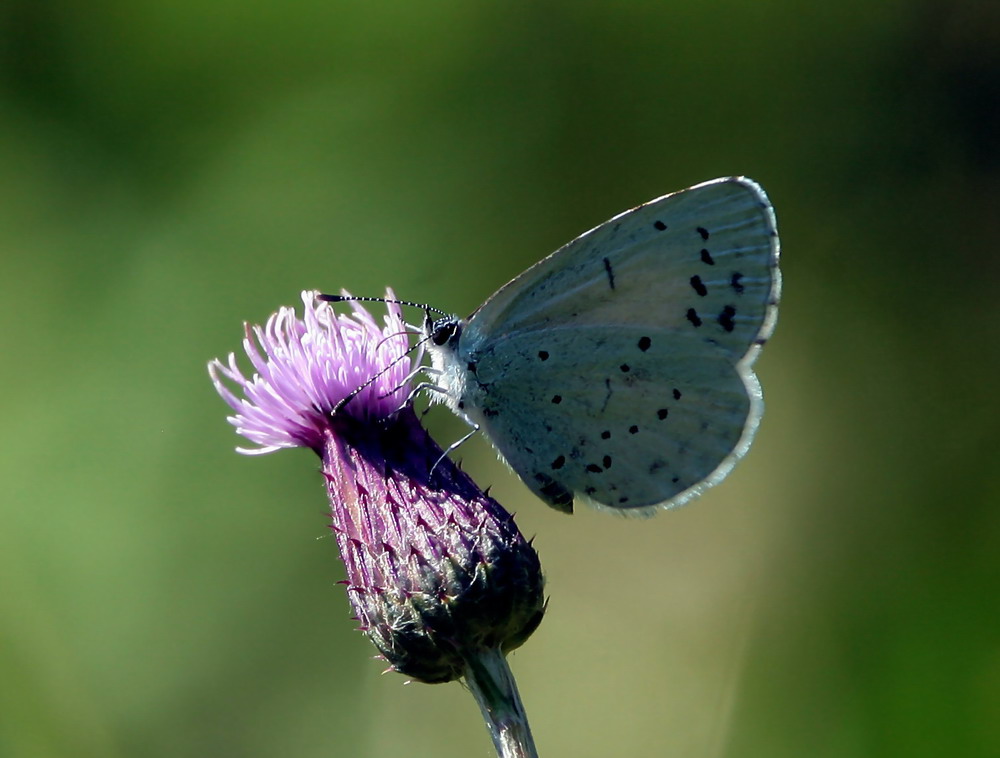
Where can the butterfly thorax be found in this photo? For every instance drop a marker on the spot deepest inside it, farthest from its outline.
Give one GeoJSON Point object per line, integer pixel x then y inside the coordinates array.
{"type": "Point", "coordinates": [448, 367]}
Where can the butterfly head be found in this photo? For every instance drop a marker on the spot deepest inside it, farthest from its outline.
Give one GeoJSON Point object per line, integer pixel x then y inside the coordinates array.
{"type": "Point", "coordinates": [444, 331]}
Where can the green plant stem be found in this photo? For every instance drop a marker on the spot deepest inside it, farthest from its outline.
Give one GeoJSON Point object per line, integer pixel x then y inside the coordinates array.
{"type": "Point", "coordinates": [488, 677]}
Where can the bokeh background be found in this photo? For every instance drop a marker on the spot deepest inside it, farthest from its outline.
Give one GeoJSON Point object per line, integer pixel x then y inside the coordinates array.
{"type": "Point", "coordinates": [169, 169]}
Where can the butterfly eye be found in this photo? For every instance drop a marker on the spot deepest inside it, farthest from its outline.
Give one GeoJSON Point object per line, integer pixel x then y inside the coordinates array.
{"type": "Point", "coordinates": [444, 329]}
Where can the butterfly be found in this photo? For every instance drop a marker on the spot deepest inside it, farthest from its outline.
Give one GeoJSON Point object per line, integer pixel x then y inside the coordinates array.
{"type": "Point", "coordinates": [618, 370]}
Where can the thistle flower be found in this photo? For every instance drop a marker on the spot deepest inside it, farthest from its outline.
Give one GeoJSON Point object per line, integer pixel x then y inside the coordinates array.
{"type": "Point", "coordinates": [438, 575]}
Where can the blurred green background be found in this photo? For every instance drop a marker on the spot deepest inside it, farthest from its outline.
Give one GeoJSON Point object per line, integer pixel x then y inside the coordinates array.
{"type": "Point", "coordinates": [169, 169]}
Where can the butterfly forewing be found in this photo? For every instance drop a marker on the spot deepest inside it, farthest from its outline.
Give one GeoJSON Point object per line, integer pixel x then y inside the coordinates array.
{"type": "Point", "coordinates": [701, 261]}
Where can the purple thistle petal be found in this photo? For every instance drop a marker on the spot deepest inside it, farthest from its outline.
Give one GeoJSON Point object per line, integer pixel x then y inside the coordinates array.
{"type": "Point", "coordinates": [305, 367]}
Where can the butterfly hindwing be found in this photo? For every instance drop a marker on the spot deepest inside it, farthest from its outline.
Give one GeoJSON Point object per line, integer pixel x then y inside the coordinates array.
{"type": "Point", "coordinates": [656, 416]}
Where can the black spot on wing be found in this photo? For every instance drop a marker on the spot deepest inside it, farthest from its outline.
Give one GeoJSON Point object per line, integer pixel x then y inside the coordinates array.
{"type": "Point", "coordinates": [677, 394]}
{"type": "Point", "coordinates": [610, 273]}
{"type": "Point", "coordinates": [659, 225]}
{"type": "Point", "coordinates": [606, 461]}
{"type": "Point", "coordinates": [633, 429]}
{"type": "Point", "coordinates": [605, 435]}
{"type": "Point", "coordinates": [706, 257]}
{"type": "Point", "coordinates": [662, 413]}
{"type": "Point", "coordinates": [543, 355]}
{"type": "Point", "coordinates": [556, 399]}
{"type": "Point", "coordinates": [644, 343]}
{"type": "Point", "coordinates": [625, 368]}
{"type": "Point", "coordinates": [726, 318]}
{"type": "Point", "coordinates": [698, 285]}
{"type": "Point", "coordinates": [692, 316]}
{"type": "Point", "coordinates": [703, 232]}
{"type": "Point", "coordinates": [593, 468]}
{"type": "Point", "coordinates": [736, 284]}
{"type": "Point", "coordinates": [559, 462]}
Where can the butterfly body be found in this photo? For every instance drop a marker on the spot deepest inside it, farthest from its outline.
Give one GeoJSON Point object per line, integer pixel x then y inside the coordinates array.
{"type": "Point", "coordinates": [618, 369]}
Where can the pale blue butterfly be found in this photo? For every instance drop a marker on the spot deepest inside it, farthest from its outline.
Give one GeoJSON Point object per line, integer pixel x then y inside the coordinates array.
{"type": "Point", "coordinates": [618, 370]}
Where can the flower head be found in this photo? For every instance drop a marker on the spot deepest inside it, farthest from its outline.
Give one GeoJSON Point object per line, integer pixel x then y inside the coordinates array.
{"type": "Point", "coordinates": [437, 572]}
{"type": "Point", "coordinates": [306, 367]}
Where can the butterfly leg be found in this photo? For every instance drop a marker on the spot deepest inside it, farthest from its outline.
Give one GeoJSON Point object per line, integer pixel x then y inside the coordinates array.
{"type": "Point", "coordinates": [409, 378]}
{"type": "Point", "coordinates": [454, 446]}
{"type": "Point", "coordinates": [423, 386]}
{"type": "Point", "coordinates": [443, 395]}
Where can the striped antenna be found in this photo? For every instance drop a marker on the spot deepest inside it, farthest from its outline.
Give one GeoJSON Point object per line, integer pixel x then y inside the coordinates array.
{"type": "Point", "coordinates": [352, 298]}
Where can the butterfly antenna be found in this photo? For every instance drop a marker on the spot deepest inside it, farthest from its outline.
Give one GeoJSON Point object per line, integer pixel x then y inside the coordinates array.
{"type": "Point", "coordinates": [358, 299]}
{"type": "Point", "coordinates": [408, 332]}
